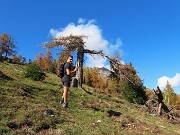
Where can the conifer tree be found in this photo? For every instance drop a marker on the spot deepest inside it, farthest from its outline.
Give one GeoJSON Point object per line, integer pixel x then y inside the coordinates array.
{"type": "Point", "coordinates": [95, 78]}
{"type": "Point", "coordinates": [169, 95]}
{"type": "Point", "coordinates": [87, 76]}
{"type": "Point", "coordinates": [7, 45]}
{"type": "Point", "coordinates": [39, 59]}
{"type": "Point", "coordinates": [44, 61]}
{"type": "Point", "coordinates": [47, 61]}
{"type": "Point", "coordinates": [131, 88]}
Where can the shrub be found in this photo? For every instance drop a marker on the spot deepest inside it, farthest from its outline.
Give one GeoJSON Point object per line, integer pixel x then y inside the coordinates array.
{"type": "Point", "coordinates": [34, 72]}
{"type": "Point", "coordinates": [53, 67]}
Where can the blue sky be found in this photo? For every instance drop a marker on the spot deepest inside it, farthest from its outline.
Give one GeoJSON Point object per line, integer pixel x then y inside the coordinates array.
{"type": "Point", "coordinates": [145, 32]}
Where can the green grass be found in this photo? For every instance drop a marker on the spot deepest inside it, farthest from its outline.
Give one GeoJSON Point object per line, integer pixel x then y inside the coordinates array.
{"type": "Point", "coordinates": [23, 101]}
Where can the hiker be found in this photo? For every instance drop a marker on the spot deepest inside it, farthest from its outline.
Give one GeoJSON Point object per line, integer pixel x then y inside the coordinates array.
{"type": "Point", "coordinates": [159, 94]}
{"type": "Point", "coordinates": [66, 80]}
{"type": "Point", "coordinates": [160, 101]}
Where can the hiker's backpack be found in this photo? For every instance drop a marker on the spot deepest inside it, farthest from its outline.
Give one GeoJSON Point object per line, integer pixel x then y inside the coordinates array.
{"type": "Point", "coordinates": [60, 70]}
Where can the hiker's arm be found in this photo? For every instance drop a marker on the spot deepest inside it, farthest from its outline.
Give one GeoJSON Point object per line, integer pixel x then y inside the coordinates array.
{"type": "Point", "coordinates": [158, 88]}
{"type": "Point", "coordinates": [74, 70]}
{"type": "Point", "coordinates": [68, 71]}
{"type": "Point", "coordinates": [154, 91]}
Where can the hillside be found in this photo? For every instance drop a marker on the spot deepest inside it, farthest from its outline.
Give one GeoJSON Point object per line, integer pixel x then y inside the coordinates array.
{"type": "Point", "coordinates": [23, 102]}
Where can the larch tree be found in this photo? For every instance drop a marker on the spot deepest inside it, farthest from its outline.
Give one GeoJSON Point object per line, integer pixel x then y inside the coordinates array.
{"type": "Point", "coordinates": [44, 61]}
{"type": "Point", "coordinates": [95, 78]}
{"type": "Point", "coordinates": [47, 60]}
{"type": "Point", "coordinates": [7, 45]}
{"type": "Point", "coordinates": [87, 76]}
{"type": "Point", "coordinates": [169, 95]}
{"type": "Point", "coordinates": [39, 59]}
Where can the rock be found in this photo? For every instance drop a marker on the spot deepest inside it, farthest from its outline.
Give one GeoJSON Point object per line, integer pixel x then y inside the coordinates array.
{"type": "Point", "coordinates": [49, 112]}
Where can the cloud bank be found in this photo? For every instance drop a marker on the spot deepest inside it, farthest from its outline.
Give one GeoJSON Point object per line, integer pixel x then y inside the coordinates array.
{"type": "Point", "coordinates": [95, 40]}
{"type": "Point", "coordinates": [174, 81]}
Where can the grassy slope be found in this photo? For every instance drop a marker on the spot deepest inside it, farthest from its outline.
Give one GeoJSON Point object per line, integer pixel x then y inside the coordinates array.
{"type": "Point", "coordinates": [23, 101]}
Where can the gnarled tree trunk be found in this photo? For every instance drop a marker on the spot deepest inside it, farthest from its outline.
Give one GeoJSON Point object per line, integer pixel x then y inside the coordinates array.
{"type": "Point", "coordinates": [79, 64]}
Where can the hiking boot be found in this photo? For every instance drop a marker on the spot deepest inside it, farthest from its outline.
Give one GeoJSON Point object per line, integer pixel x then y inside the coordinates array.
{"type": "Point", "coordinates": [61, 101]}
{"type": "Point", "coordinates": [65, 105]}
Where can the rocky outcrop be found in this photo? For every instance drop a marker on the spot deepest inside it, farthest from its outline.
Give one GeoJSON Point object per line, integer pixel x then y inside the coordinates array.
{"type": "Point", "coordinates": [105, 72]}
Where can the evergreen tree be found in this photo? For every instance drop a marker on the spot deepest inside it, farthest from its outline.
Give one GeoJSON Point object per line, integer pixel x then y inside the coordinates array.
{"type": "Point", "coordinates": [133, 89]}
{"type": "Point", "coordinates": [53, 67]}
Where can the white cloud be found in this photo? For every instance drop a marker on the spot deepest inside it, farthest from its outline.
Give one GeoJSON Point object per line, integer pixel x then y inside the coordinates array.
{"type": "Point", "coordinates": [95, 61]}
{"type": "Point", "coordinates": [174, 81]}
{"type": "Point", "coordinates": [81, 20]}
{"type": "Point", "coordinates": [53, 32]}
{"type": "Point", "coordinates": [95, 40]}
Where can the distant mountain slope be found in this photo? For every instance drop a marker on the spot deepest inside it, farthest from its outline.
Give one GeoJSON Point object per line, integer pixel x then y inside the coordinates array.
{"type": "Point", "coordinates": [105, 72]}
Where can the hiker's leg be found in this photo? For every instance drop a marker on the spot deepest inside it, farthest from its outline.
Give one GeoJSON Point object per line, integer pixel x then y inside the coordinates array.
{"type": "Point", "coordinates": [62, 96]}
{"type": "Point", "coordinates": [165, 108]}
{"type": "Point", "coordinates": [65, 94]}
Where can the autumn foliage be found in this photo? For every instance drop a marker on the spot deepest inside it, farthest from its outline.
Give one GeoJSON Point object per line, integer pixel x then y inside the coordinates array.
{"type": "Point", "coordinates": [44, 61]}
{"type": "Point", "coordinates": [126, 84]}
{"type": "Point", "coordinates": [7, 45]}
{"type": "Point", "coordinates": [94, 79]}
